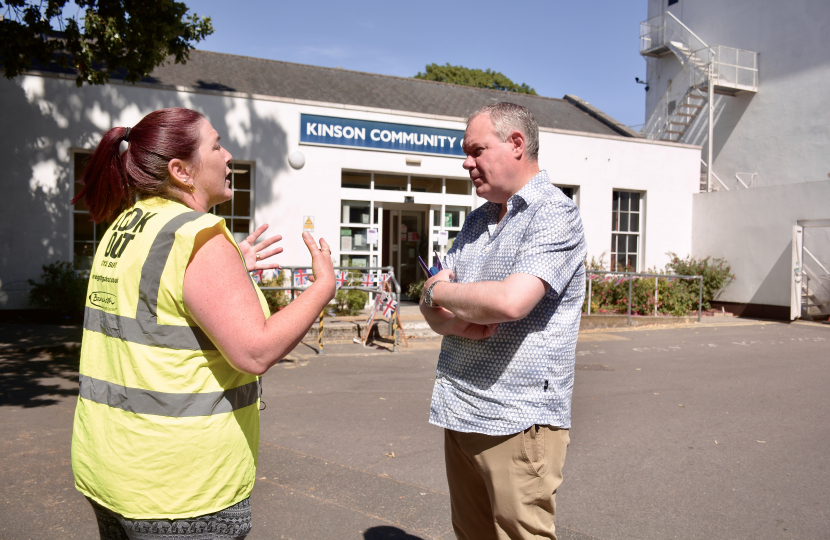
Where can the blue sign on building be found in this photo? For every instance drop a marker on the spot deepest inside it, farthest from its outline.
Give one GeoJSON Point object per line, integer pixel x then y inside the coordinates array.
{"type": "Point", "coordinates": [347, 132]}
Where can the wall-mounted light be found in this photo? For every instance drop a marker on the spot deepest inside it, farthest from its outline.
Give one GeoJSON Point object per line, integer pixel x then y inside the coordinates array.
{"type": "Point", "coordinates": [414, 161]}
{"type": "Point", "coordinates": [638, 81]}
{"type": "Point", "coordinates": [296, 159]}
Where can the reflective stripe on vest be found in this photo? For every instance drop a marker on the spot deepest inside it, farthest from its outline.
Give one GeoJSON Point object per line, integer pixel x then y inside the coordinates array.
{"type": "Point", "coordinates": [144, 328]}
{"type": "Point", "coordinates": [139, 401]}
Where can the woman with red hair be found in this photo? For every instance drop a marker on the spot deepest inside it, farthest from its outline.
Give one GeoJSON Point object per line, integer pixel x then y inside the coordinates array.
{"type": "Point", "coordinates": [176, 337]}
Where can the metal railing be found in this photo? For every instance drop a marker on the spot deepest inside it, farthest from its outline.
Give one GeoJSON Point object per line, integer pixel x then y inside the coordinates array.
{"type": "Point", "coordinates": [666, 32]}
{"type": "Point", "coordinates": [661, 30]}
{"type": "Point", "coordinates": [628, 277]}
{"type": "Point", "coordinates": [376, 270]}
{"type": "Point", "coordinates": [734, 68]}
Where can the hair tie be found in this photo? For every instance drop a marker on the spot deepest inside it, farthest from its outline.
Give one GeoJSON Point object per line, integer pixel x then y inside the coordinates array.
{"type": "Point", "coordinates": [125, 143]}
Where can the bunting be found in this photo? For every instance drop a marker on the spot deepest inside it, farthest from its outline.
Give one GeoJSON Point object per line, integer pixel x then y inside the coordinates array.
{"type": "Point", "coordinates": [342, 278]}
{"type": "Point", "coordinates": [389, 306]}
{"type": "Point", "coordinates": [300, 277]}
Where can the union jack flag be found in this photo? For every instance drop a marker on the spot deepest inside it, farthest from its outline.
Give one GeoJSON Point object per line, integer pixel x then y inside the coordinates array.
{"type": "Point", "coordinates": [384, 278]}
{"type": "Point", "coordinates": [342, 277]}
{"type": "Point", "coordinates": [368, 280]}
{"type": "Point", "coordinates": [300, 277]}
{"type": "Point", "coordinates": [592, 276]}
{"type": "Point", "coordinates": [379, 299]}
{"type": "Point", "coordinates": [389, 306]}
{"type": "Point", "coordinates": [256, 275]}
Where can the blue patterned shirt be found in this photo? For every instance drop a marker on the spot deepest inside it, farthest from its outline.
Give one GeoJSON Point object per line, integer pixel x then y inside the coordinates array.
{"type": "Point", "coordinates": [522, 375]}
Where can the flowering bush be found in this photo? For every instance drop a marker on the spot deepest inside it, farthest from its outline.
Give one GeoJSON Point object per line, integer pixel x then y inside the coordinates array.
{"type": "Point", "coordinates": [676, 298]}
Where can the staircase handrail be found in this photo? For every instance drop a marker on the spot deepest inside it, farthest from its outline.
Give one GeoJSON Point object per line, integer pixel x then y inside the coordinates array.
{"type": "Point", "coordinates": [660, 23]}
{"type": "Point", "coordinates": [715, 176]}
{"type": "Point", "coordinates": [688, 78]}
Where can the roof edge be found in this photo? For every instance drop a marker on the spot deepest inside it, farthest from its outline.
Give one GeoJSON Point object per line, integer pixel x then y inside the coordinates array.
{"type": "Point", "coordinates": [612, 123]}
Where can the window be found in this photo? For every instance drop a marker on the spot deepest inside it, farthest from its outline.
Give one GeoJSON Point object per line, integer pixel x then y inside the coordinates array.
{"type": "Point", "coordinates": [569, 191]}
{"type": "Point", "coordinates": [85, 234]}
{"type": "Point", "coordinates": [673, 2]}
{"type": "Point", "coordinates": [390, 182]}
{"type": "Point", "coordinates": [356, 180]}
{"type": "Point", "coordinates": [459, 187]}
{"type": "Point", "coordinates": [625, 231]}
{"type": "Point", "coordinates": [237, 211]}
{"type": "Point", "coordinates": [426, 185]}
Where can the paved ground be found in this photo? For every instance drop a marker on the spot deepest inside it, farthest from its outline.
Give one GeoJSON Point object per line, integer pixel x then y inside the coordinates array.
{"type": "Point", "coordinates": [712, 431]}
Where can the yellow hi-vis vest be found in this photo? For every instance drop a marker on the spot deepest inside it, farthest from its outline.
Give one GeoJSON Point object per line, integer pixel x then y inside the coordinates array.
{"type": "Point", "coordinates": [164, 427]}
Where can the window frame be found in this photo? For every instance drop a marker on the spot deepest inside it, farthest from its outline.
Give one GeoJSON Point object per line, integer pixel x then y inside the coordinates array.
{"type": "Point", "coordinates": [251, 202]}
{"type": "Point", "coordinates": [616, 231]}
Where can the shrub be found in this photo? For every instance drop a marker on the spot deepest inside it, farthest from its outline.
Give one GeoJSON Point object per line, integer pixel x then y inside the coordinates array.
{"type": "Point", "coordinates": [63, 290]}
{"type": "Point", "coordinates": [675, 298]}
{"type": "Point", "coordinates": [276, 299]}
{"type": "Point", "coordinates": [716, 275]}
{"type": "Point", "coordinates": [416, 289]}
{"type": "Point", "coordinates": [348, 303]}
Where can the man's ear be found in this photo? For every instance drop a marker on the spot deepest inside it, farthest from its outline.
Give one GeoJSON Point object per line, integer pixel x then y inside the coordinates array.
{"type": "Point", "coordinates": [517, 139]}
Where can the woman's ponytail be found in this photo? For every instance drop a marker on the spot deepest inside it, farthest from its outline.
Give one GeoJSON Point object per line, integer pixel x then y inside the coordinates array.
{"type": "Point", "coordinates": [130, 162]}
{"type": "Point", "coordinates": [106, 190]}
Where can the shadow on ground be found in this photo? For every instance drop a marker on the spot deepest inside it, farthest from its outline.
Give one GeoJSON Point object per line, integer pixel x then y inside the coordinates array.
{"type": "Point", "coordinates": [38, 364]}
{"type": "Point", "coordinates": [388, 533]}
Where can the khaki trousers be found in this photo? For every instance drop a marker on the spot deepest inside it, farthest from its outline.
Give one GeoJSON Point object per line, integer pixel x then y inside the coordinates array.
{"type": "Point", "coordinates": [504, 487]}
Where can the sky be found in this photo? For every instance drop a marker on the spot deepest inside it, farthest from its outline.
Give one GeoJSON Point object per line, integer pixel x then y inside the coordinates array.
{"type": "Point", "coordinates": [588, 49]}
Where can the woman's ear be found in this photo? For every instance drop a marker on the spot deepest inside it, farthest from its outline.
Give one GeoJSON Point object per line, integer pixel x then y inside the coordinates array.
{"type": "Point", "coordinates": [179, 173]}
{"type": "Point", "coordinates": [178, 170]}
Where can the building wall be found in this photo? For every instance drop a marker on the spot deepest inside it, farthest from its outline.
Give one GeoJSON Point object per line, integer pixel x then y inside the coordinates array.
{"type": "Point", "coordinates": [752, 229]}
{"type": "Point", "coordinates": [782, 132]}
{"type": "Point", "coordinates": [51, 118]}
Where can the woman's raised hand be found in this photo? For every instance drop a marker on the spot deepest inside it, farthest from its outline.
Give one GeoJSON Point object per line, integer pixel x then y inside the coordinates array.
{"type": "Point", "coordinates": [255, 255]}
{"type": "Point", "coordinates": [322, 265]}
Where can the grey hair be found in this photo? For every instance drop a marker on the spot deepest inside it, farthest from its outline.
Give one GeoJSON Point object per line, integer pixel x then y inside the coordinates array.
{"type": "Point", "coordinates": [509, 117]}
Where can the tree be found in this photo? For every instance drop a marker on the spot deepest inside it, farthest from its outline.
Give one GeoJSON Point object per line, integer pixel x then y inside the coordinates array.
{"type": "Point", "coordinates": [129, 36]}
{"type": "Point", "coordinates": [473, 77]}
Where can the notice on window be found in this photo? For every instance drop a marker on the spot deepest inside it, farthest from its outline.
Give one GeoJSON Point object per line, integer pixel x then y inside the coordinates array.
{"type": "Point", "coordinates": [308, 223]}
{"type": "Point", "coordinates": [372, 236]}
{"type": "Point", "coordinates": [442, 238]}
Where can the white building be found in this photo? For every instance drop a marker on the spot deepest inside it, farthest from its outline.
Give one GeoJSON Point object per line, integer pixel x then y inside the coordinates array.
{"type": "Point", "coordinates": [341, 152]}
{"type": "Point", "coordinates": [770, 135]}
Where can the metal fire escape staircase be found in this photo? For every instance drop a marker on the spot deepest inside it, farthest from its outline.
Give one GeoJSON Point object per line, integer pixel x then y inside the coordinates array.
{"type": "Point", "coordinates": [706, 70]}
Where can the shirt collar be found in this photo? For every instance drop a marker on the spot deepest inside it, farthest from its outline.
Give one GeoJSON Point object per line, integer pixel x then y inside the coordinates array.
{"type": "Point", "coordinates": [533, 190]}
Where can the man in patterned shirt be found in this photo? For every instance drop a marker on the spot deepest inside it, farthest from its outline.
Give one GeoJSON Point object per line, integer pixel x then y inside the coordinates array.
{"type": "Point", "coordinates": [508, 303]}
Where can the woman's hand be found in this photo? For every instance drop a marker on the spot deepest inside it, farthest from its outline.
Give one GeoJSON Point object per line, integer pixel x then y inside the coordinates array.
{"type": "Point", "coordinates": [255, 255]}
{"type": "Point", "coordinates": [322, 265]}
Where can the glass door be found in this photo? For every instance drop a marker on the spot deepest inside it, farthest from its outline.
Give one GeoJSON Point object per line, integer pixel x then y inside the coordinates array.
{"type": "Point", "coordinates": [411, 242]}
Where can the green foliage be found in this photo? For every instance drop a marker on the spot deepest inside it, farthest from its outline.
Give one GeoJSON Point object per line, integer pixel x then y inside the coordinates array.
{"type": "Point", "coordinates": [716, 275]}
{"type": "Point", "coordinates": [63, 290]}
{"type": "Point", "coordinates": [473, 77]}
{"type": "Point", "coordinates": [416, 289]}
{"type": "Point", "coordinates": [676, 298]}
{"type": "Point", "coordinates": [133, 36]}
{"type": "Point", "coordinates": [276, 299]}
{"type": "Point", "coordinates": [348, 303]}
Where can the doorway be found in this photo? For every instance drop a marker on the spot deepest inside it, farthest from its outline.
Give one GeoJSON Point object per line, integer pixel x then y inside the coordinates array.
{"type": "Point", "coordinates": [404, 240]}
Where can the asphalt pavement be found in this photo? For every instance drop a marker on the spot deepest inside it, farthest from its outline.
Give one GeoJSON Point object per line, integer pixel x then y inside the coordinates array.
{"type": "Point", "coordinates": [706, 431]}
